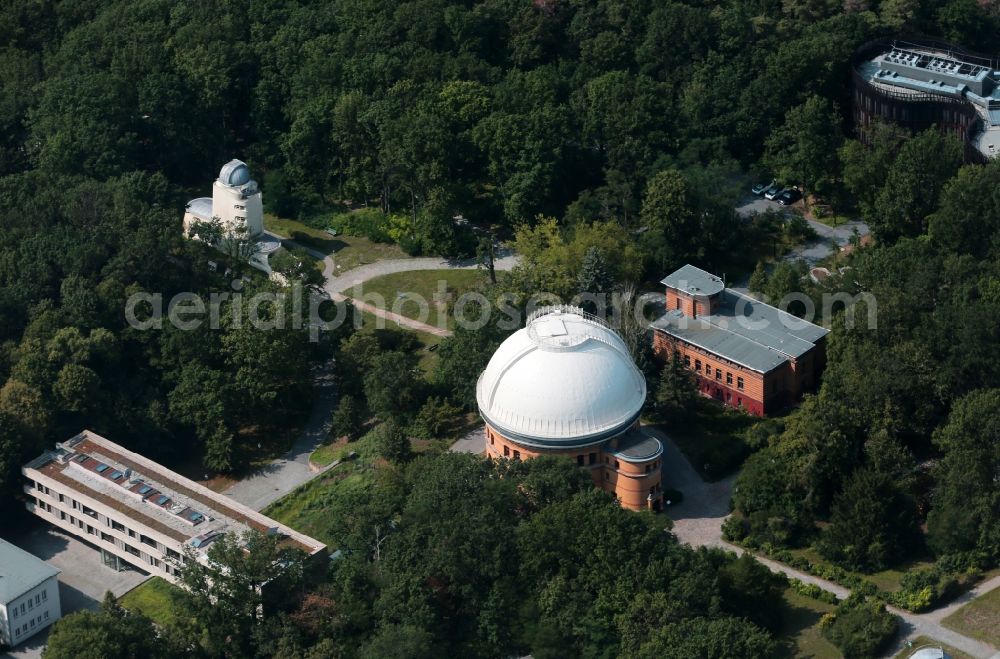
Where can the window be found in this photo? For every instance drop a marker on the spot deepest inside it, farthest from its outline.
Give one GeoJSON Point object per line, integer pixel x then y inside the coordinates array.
{"type": "Point", "coordinates": [687, 360]}
{"type": "Point", "coordinates": [697, 365]}
{"type": "Point", "coordinates": [579, 459]}
{"type": "Point", "coordinates": [241, 218]}
{"type": "Point", "coordinates": [649, 468]}
{"type": "Point", "coordinates": [593, 458]}
{"type": "Point", "coordinates": [506, 451]}
{"type": "Point", "coordinates": [17, 632]}
{"type": "Point", "coordinates": [238, 207]}
{"type": "Point", "coordinates": [729, 379]}
{"type": "Point", "coordinates": [708, 370]}
{"type": "Point", "coordinates": [22, 608]}
{"type": "Point", "coordinates": [14, 615]}
{"type": "Point", "coordinates": [607, 476]}
{"type": "Point", "coordinates": [678, 302]}
{"type": "Point", "coordinates": [131, 533]}
{"type": "Point", "coordinates": [677, 355]}
{"type": "Point", "coordinates": [31, 604]}
{"type": "Point", "coordinates": [38, 598]}
{"type": "Point", "coordinates": [107, 537]}
{"type": "Point", "coordinates": [61, 498]}
{"type": "Point", "coordinates": [491, 439]}
{"type": "Point", "coordinates": [617, 465]}
{"type": "Point", "coordinates": [172, 554]}
{"type": "Point", "coordinates": [117, 526]}
{"type": "Point", "coordinates": [517, 455]}
{"type": "Point", "coordinates": [45, 595]}
{"type": "Point", "coordinates": [38, 486]}
{"type": "Point", "coordinates": [132, 550]}
{"type": "Point", "coordinates": [146, 540]}
{"type": "Point", "coordinates": [32, 621]}
{"type": "Point", "coordinates": [46, 615]}
{"type": "Point", "coordinates": [62, 515]}
{"type": "Point", "coordinates": [739, 383]}
{"type": "Point", "coordinates": [718, 374]}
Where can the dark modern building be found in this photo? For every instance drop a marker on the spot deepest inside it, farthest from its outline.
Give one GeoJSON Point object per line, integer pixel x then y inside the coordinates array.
{"type": "Point", "coordinates": [921, 83]}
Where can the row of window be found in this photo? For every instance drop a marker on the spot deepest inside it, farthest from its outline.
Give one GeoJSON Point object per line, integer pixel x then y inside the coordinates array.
{"type": "Point", "coordinates": [34, 621]}
{"type": "Point", "coordinates": [38, 599]}
{"type": "Point", "coordinates": [117, 526]}
{"type": "Point", "coordinates": [708, 370]}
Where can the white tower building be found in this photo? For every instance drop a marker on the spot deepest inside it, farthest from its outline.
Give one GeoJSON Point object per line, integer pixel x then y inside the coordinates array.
{"type": "Point", "coordinates": [235, 200]}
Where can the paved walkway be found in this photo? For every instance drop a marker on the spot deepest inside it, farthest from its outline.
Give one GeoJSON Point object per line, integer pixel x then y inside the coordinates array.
{"type": "Point", "coordinates": [698, 522]}
{"type": "Point", "coordinates": [817, 250]}
{"type": "Point", "coordinates": [292, 469]}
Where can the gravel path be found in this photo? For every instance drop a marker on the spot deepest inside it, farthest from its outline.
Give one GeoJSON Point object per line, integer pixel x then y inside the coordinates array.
{"type": "Point", "coordinates": [698, 522]}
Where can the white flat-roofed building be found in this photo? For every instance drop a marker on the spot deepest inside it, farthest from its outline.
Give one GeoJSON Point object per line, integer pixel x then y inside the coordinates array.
{"type": "Point", "coordinates": [29, 595]}
{"type": "Point", "coordinates": [136, 511]}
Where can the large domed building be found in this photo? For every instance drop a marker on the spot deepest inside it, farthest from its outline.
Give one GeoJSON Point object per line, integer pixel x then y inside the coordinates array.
{"type": "Point", "coordinates": [566, 385]}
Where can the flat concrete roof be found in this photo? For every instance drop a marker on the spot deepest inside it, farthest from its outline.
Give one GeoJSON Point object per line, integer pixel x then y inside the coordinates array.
{"type": "Point", "coordinates": [693, 281]}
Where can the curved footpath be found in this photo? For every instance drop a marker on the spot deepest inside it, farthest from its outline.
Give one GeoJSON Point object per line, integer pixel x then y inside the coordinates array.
{"type": "Point", "coordinates": [283, 475]}
{"type": "Point", "coordinates": [698, 522]}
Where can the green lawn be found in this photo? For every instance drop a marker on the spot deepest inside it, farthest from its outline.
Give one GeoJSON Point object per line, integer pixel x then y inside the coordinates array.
{"type": "Point", "coordinates": [979, 619]}
{"type": "Point", "coordinates": [800, 635]}
{"type": "Point", "coordinates": [348, 251]}
{"type": "Point", "coordinates": [428, 358]}
{"type": "Point", "coordinates": [152, 598]}
{"type": "Point", "coordinates": [921, 641]}
{"type": "Point", "coordinates": [305, 509]}
{"type": "Point", "coordinates": [886, 580]}
{"type": "Point", "coordinates": [427, 293]}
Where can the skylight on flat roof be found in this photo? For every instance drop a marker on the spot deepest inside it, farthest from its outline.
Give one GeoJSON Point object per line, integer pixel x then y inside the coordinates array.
{"type": "Point", "coordinates": [101, 468]}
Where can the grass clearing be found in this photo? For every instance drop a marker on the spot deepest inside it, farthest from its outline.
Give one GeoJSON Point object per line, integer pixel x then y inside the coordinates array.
{"type": "Point", "coordinates": [153, 599]}
{"type": "Point", "coordinates": [424, 295]}
{"type": "Point", "coordinates": [349, 251]}
{"type": "Point", "coordinates": [979, 618]}
{"type": "Point", "coordinates": [887, 581]}
{"type": "Point", "coordinates": [923, 641]}
{"type": "Point", "coordinates": [800, 635]}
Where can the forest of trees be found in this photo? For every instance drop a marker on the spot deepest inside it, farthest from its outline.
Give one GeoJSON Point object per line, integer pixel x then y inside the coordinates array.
{"type": "Point", "coordinates": [606, 140]}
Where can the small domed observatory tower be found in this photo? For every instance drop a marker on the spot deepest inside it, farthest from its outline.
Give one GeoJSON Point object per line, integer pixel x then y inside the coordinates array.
{"type": "Point", "coordinates": [566, 385]}
{"type": "Point", "coordinates": [235, 200]}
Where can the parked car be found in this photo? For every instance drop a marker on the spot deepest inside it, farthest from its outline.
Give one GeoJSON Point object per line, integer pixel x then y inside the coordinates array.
{"type": "Point", "coordinates": [759, 188]}
{"type": "Point", "coordinates": [773, 191]}
{"type": "Point", "coordinates": [789, 197]}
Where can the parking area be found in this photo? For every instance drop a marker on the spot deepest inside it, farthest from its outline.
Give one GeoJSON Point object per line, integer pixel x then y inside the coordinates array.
{"type": "Point", "coordinates": [82, 583]}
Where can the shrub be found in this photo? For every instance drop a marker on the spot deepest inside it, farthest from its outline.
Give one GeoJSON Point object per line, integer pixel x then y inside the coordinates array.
{"type": "Point", "coordinates": [435, 418]}
{"type": "Point", "coordinates": [813, 591]}
{"type": "Point", "coordinates": [862, 627]}
{"type": "Point", "coordinates": [734, 528]}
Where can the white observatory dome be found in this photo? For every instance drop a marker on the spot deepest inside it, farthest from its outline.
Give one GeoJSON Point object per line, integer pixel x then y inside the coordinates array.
{"type": "Point", "coordinates": [566, 379]}
{"type": "Point", "coordinates": [234, 173]}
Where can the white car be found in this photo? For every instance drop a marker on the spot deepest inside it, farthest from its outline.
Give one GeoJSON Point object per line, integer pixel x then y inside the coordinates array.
{"type": "Point", "coordinates": [773, 192]}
